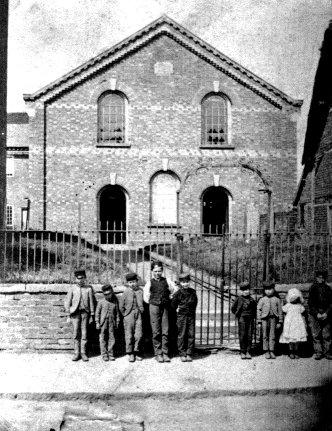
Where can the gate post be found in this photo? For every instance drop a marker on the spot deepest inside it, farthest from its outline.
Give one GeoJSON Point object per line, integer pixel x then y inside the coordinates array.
{"type": "Point", "coordinates": [179, 257]}
{"type": "Point", "coordinates": [266, 255]}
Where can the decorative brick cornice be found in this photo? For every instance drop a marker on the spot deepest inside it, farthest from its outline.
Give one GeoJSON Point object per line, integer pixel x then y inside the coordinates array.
{"type": "Point", "coordinates": [165, 26]}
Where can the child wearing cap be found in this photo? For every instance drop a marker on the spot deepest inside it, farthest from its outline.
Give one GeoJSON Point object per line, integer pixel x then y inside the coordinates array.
{"type": "Point", "coordinates": [132, 308]}
{"type": "Point", "coordinates": [79, 305]}
{"type": "Point", "coordinates": [269, 317]}
{"type": "Point", "coordinates": [244, 308]}
{"type": "Point", "coordinates": [320, 315]}
{"type": "Point", "coordinates": [107, 320]}
{"type": "Point", "coordinates": [294, 330]}
{"type": "Point", "coordinates": [185, 302]}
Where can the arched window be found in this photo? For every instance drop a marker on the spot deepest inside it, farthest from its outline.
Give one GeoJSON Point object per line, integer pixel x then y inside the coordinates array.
{"type": "Point", "coordinates": [112, 119]}
{"type": "Point", "coordinates": [164, 198]}
{"type": "Point", "coordinates": [215, 115]}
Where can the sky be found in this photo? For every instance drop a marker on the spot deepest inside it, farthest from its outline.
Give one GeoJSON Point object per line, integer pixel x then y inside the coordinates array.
{"type": "Point", "coordinates": [278, 40]}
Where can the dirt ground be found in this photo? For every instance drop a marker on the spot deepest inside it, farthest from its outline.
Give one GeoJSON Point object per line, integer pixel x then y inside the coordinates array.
{"type": "Point", "coordinates": [277, 412]}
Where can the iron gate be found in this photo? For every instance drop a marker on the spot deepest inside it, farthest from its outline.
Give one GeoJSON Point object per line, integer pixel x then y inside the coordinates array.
{"type": "Point", "coordinates": [216, 263]}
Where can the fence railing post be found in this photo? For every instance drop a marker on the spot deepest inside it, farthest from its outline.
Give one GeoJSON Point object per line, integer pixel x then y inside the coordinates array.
{"type": "Point", "coordinates": [179, 254]}
{"type": "Point", "coordinates": [266, 254]}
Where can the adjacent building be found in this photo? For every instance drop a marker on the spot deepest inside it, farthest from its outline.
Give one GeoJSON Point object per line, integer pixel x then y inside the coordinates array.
{"type": "Point", "coordinates": [314, 195]}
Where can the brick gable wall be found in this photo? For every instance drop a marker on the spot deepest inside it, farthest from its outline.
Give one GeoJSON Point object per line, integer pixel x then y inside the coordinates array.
{"type": "Point", "coordinates": [163, 122]}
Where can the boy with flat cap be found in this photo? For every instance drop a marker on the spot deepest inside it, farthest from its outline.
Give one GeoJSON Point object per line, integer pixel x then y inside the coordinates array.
{"type": "Point", "coordinates": [107, 320]}
{"type": "Point", "coordinates": [132, 308]}
{"type": "Point", "coordinates": [269, 317]}
{"type": "Point", "coordinates": [244, 308]}
{"type": "Point", "coordinates": [80, 307]}
{"type": "Point", "coordinates": [320, 315]}
{"type": "Point", "coordinates": [185, 302]}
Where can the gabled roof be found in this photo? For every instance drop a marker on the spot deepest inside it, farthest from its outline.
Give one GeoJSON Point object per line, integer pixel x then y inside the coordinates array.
{"type": "Point", "coordinates": [165, 26]}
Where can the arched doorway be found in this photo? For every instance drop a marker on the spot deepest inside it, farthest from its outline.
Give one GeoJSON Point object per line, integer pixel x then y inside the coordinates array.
{"type": "Point", "coordinates": [112, 215]}
{"type": "Point", "coordinates": [215, 210]}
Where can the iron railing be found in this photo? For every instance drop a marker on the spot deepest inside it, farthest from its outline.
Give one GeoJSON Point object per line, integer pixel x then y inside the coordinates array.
{"type": "Point", "coordinates": [217, 263]}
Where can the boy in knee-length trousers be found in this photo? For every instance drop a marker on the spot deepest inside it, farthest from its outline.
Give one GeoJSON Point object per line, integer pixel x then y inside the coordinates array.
{"type": "Point", "coordinates": [270, 317]}
{"type": "Point", "coordinates": [132, 308]}
{"type": "Point", "coordinates": [107, 320]}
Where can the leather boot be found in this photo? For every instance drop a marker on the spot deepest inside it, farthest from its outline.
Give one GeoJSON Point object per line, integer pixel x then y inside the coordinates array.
{"type": "Point", "coordinates": [77, 355]}
{"type": "Point", "coordinates": [83, 352]}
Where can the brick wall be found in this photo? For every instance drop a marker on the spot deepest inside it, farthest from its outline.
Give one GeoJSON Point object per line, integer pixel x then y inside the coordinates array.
{"type": "Point", "coordinates": [163, 122]}
{"type": "Point", "coordinates": [32, 317]}
{"type": "Point", "coordinates": [322, 184]}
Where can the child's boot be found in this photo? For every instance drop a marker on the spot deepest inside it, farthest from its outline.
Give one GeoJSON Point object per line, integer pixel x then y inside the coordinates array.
{"type": "Point", "coordinates": [272, 355]}
{"type": "Point", "coordinates": [83, 352]}
{"type": "Point", "coordinates": [296, 350]}
{"type": "Point", "coordinates": [77, 355]}
{"type": "Point", "coordinates": [291, 351]}
{"type": "Point", "coordinates": [267, 355]}
{"type": "Point", "coordinates": [138, 357]}
{"type": "Point", "coordinates": [248, 355]}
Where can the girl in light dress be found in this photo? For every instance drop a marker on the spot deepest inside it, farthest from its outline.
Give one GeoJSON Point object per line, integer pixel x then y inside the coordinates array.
{"type": "Point", "coordinates": [294, 330]}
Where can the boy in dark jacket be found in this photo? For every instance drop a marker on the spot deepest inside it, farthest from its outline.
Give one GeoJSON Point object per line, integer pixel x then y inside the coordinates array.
{"type": "Point", "coordinates": [185, 302]}
{"type": "Point", "coordinates": [320, 315]}
{"type": "Point", "coordinates": [132, 308]}
{"type": "Point", "coordinates": [244, 308]}
{"type": "Point", "coordinates": [107, 320]}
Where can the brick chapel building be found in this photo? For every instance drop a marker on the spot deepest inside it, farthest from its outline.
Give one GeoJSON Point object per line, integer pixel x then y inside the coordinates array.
{"type": "Point", "coordinates": [160, 130]}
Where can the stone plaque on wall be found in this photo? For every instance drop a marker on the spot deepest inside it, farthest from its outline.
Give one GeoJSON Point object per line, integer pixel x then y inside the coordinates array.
{"type": "Point", "coordinates": [163, 68]}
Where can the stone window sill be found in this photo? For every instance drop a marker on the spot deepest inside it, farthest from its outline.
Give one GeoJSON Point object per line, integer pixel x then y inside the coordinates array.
{"type": "Point", "coordinates": [222, 147]}
{"type": "Point", "coordinates": [112, 146]}
{"type": "Point", "coordinates": [163, 226]}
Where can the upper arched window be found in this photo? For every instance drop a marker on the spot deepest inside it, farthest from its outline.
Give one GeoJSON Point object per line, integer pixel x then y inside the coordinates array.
{"type": "Point", "coordinates": [164, 198]}
{"type": "Point", "coordinates": [112, 119]}
{"type": "Point", "coordinates": [215, 121]}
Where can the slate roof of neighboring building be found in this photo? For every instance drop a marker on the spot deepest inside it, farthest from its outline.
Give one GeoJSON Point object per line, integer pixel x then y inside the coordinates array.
{"type": "Point", "coordinates": [167, 26]}
{"type": "Point", "coordinates": [320, 106]}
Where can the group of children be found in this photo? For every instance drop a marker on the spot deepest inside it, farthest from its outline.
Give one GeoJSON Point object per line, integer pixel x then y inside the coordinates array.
{"type": "Point", "coordinates": [162, 295]}
{"type": "Point", "coordinates": [269, 314]}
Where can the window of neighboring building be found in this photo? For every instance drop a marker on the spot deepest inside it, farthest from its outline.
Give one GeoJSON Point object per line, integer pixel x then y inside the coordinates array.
{"type": "Point", "coordinates": [112, 119]}
{"type": "Point", "coordinates": [10, 169]}
{"type": "Point", "coordinates": [164, 199]}
{"type": "Point", "coordinates": [9, 216]}
{"type": "Point", "coordinates": [215, 112]}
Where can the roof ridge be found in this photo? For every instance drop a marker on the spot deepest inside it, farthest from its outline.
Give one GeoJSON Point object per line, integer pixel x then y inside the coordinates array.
{"type": "Point", "coordinates": [162, 20]}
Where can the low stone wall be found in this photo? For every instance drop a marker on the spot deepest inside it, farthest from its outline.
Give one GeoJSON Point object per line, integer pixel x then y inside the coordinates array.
{"type": "Point", "coordinates": [32, 317]}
